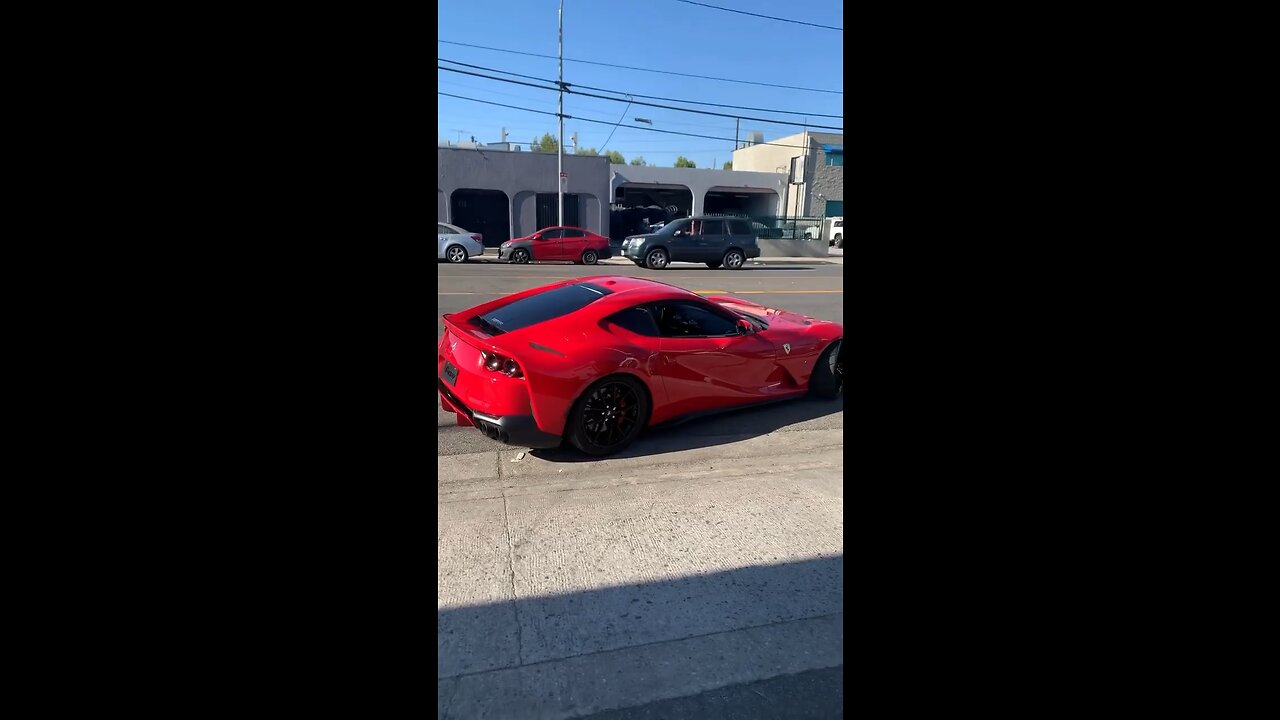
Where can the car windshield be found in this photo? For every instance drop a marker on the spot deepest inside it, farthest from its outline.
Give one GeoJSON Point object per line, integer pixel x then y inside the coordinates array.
{"type": "Point", "coordinates": [541, 307]}
{"type": "Point", "coordinates": [671, 227]}
{"type": "Point", "coordinates": [757, 321]}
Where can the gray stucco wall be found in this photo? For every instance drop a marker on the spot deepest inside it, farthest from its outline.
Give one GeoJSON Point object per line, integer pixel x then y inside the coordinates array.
{"type": "Point", "coordinates": [822, 178]}
{"type": "Point", "coordinates": [792, 248]}
{"type": "Point", "coordinates": [700, 182]}
{"type": "Point", "coordinates": [521, 175]}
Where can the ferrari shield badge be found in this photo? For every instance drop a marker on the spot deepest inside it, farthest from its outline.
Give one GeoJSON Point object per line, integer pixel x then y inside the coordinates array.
{"type": "Point", "coordinates": [786, 348]}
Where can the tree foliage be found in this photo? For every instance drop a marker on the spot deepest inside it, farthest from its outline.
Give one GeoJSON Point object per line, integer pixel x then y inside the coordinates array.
{"type": "Point", "coordinates": [684, 162]}
{"type": "Point", "coordinates": [637, 161]}
{"type": "Point", "coordinates": [728, 166]}
{"type": "Point", "coordinates": [615, 157]}
{"type": "Point", "coordinates": [547, 144]}
{"type": "Point", "coordinates": [586, 151]}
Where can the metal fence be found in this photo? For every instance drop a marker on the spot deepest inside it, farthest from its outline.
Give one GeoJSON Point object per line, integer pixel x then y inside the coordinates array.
{"type": "Point", "coordinates": [775, 227]}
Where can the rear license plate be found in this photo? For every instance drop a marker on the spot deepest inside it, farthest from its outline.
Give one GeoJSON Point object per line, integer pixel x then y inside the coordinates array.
{"type": "Point", "coordinates": [450, 373]}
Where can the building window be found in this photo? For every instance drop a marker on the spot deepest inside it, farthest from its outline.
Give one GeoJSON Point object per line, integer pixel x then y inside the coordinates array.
{"type": "Point", "coordinates": [835, 159]}
{"type": "Point", "coordinates": [548, 210]}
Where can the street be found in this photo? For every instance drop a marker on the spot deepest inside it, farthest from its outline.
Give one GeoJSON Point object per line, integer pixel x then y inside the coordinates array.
{"type": "Point", "coordinates": [697, 574]}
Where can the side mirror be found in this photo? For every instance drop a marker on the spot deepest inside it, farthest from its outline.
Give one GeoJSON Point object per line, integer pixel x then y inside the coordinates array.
{"type": "Point", "coordinates": [745, 327]}
{"type": "Point", "coordinates": [680, 233]}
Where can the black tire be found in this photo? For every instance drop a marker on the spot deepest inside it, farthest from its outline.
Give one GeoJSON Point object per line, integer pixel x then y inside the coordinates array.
{"type": "Point", "coordinates": [519, 256]}
{"type": "Point", "coordinates": [638, 263]}
{"type": "Point", "coordinates": [828, 374]}
{"type": "Point", "coordinates": [455, 254]}
{"type": "Point", "coordinates": [657, 259]}
{"type": "Point", "coordinates": [713, 265]}
{"type": "Point", "coordinates": [589, 257]}
{"type": "Point", "coordinates": [591, 426]}
{"type": "Point", "coordinates": [734, 259]}
{"type": "Point", "coordinates": [840, 241]}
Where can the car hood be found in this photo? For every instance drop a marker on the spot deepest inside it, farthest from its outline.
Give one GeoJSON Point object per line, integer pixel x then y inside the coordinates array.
{"type": "Point", "coordinates": [644, 236]}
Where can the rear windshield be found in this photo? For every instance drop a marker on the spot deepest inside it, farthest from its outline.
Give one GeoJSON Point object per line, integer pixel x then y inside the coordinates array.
{"type": "Point", "coordinates": [541, 307]}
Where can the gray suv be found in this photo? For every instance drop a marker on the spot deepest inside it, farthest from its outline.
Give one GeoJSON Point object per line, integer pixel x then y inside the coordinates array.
{"type": "Point", "coordinates": [712, 239]}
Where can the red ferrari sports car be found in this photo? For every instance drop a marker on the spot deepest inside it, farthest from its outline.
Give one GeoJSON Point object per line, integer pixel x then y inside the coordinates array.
{"type": "Point", "coordinates": [596, 360]}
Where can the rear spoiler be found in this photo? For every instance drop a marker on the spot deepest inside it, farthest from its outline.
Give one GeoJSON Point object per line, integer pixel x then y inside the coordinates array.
{"type": "Point", "coordinates": [468, 333]}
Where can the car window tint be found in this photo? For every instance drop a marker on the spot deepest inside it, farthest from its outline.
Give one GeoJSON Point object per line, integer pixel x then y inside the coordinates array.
{"type": "Point", "coordinates": [443, 229]}
{"type": "Point", "coordinates": [692, 320]}
{"type": "Point", "coordinates": [551, 234]}
{"type": "Point", "coordinates": [712, 227]}
{"type": "Point", "coordinates": [840, 223]}
{"type": "Point", "coordinates": [573, 233]}
{"type": "Point", "coordinates": [544, 306]}
{"type": "Point", "coordinates": [739, 227]}
{"type": "Point", "coordinates": [637, 320]}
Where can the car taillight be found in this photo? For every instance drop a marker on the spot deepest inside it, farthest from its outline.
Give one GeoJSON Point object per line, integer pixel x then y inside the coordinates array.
{"type": "Point", "coordinates": [477, 237]}
{"type": "Point", "coordinates": [497, 363]}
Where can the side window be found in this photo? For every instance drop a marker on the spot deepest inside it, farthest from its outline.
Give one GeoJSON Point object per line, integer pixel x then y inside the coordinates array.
{"type": "Point", "coordinates": [552, 234]}
{"type": "Point", "coordinates": [686, 319]}
{"type": "Point", "coordinates": [637, 320]}
{"type": "Point", "coordinates": [573, 233]}
{"type": "Point", "coordinates": [443, 229]}
{"type": "Point", "coordinates": [739, 227]}
{"type": "Point", "coordinates": [712, 227]}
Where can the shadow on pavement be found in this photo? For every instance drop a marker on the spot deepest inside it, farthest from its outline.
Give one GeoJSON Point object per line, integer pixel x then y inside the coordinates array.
{"type": "Point", "coordinates": [627, 646]}
{"type": "Point", "coordinates": [730, 426]}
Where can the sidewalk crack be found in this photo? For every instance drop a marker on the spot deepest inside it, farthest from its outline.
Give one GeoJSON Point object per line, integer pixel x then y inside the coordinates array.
{"type": "Point", "coordinates": [511, 570]}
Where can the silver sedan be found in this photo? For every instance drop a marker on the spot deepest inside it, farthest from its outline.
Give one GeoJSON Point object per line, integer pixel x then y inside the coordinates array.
{"type": "Point", "coordinates": [456, 244]}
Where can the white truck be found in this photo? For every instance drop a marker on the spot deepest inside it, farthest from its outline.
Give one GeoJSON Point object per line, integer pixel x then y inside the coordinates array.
{"type": "Point", "coordinates": [832, 231]}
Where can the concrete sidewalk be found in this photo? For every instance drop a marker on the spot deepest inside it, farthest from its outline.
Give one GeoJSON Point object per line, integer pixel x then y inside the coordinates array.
{"type": "Point", "coordinates": [830, 260]}
{"type": "Point", "coordinates": [835, 258]}
{"type": "Point", "coordinates": [569, 586]}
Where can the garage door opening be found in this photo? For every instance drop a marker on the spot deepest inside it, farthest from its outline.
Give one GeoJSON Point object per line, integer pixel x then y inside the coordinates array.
{"type": "Point", "coordinates": [753, 202]}
{"type": "Point", "coordinates": [636, 206]}
{"type": "Point", "coordinates": [484, 211]}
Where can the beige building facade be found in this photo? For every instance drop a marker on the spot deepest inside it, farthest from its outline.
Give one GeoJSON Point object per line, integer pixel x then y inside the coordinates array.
{"type": "Point", "coordinates": [815, 163]}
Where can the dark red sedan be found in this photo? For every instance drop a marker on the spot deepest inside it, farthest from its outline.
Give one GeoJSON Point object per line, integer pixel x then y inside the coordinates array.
{"type": "Point", "coordinates": [597, 360]}
{"type": "Point", "coordinates": [557, 243]}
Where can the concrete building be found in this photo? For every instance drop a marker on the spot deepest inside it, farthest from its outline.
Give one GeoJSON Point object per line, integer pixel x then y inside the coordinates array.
{"type": "Point", "coordinates": [690, 191]}
{"type": "Point", "coordinates": [816, 166]}
{"type": "Point", "coordinates": [503, 194]}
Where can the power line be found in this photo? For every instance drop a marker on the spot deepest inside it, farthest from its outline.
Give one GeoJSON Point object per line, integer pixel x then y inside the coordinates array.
{"type": "Point", "coordinates": [615, 127]}
{"type": "Point", "coordinates": [569, 88]}
{"type": "Point", "coordinates": [767, 17]}
{"type": "Point", "coordinates": [605, 122]}
{"type": "Point", "coordinates": [649, 97]}
{"type": "Point", "coordinates": [628, 67]}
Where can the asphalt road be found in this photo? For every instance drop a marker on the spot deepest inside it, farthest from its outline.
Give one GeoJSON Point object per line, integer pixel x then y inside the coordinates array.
{"type": "Point", "coordinates": [815, 289]}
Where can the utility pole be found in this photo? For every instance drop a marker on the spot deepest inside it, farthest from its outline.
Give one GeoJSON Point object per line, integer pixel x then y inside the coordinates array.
{"type": "Point", "coordinates": [804, 197]}
{"type": "Point", "coordinates": [560, 116]}
{"type": "Point", "coordinates": [736, 123]}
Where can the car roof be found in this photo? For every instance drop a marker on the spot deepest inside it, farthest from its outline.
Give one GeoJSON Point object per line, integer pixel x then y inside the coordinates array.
{"type": "Point", "coordinates": [629, 290]}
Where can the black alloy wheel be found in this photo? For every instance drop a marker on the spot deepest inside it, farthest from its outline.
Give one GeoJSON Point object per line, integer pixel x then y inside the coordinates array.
{"type": "Point", "coordinates": [609, 416]}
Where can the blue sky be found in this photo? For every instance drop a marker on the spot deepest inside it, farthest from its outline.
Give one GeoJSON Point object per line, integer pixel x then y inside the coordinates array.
{"type": "Point", "coordinates": [658, 34]}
